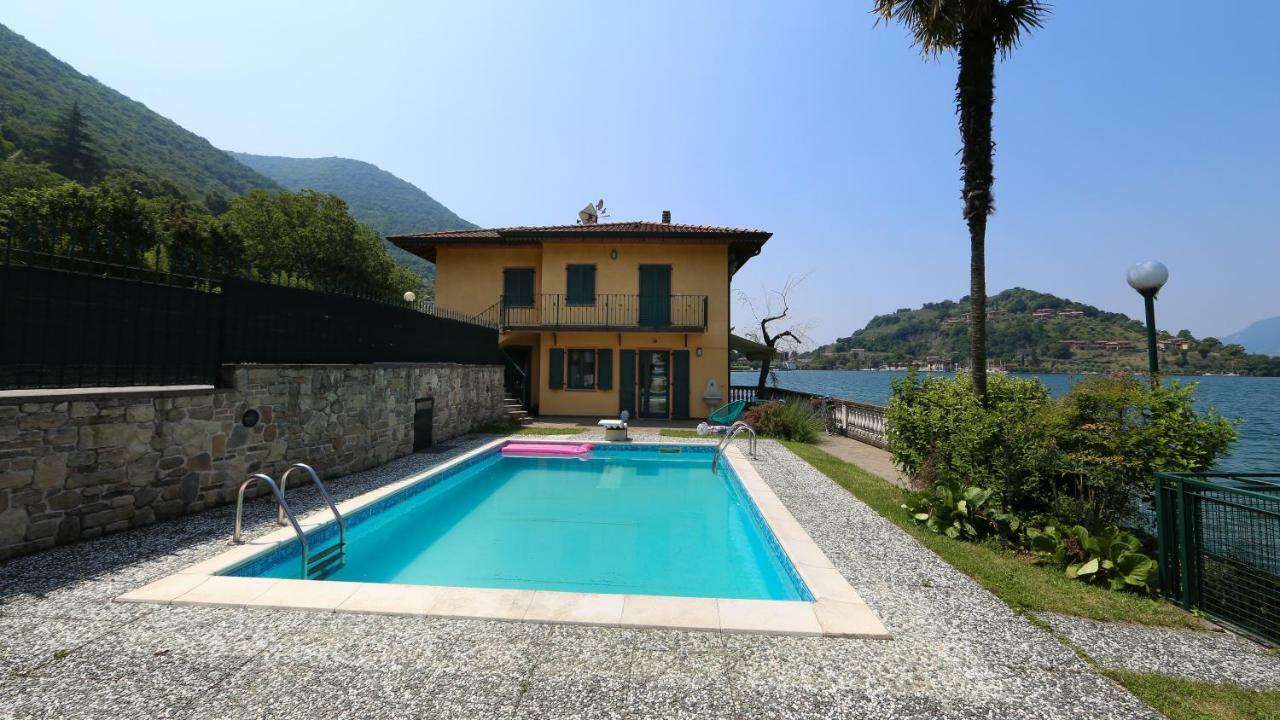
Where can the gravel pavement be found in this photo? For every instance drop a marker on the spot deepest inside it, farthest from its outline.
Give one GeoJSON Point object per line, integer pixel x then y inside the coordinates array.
{"type": "Point", "coordinates": [66, 651]}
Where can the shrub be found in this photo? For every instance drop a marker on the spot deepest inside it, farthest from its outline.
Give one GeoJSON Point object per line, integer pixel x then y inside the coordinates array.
{"type": "Point", "coordinates": [1113, 433]}
{"type": "Point", "coordinates": [1085, 459]}
{"type": "Point", "coordinates": [1110, 557]}
{"type": "Point", "coordinates": [937, 428]}
{"type": "Point", "coordinates": [794, 420]}
{"type": "Point", "coordinates": [965, 512]}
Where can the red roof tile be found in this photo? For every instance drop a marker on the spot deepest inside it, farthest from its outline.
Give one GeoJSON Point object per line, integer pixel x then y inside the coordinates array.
{"type": "Point", "coordinates": [639, 227]}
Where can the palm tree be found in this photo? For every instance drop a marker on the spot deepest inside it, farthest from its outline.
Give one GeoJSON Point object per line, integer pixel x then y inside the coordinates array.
{"type": "Point", "coordinates": [977, 30]}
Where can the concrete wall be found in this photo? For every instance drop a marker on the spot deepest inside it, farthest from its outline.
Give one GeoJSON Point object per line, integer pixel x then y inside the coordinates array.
{"type": "Point", "coordinates": [77, 464]}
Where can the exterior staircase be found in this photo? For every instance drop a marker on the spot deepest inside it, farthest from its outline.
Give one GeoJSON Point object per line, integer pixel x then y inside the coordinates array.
{"type": "Point", "coordinates": [515, 409]}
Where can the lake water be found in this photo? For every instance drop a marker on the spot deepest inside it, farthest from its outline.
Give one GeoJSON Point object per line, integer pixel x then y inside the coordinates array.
{"type": "Point", "coordinates": [1256, 400]}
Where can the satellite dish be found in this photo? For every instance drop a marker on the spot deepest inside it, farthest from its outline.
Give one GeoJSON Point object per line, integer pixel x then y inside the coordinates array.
{"type": "Point", "coordinates": [592, 213]}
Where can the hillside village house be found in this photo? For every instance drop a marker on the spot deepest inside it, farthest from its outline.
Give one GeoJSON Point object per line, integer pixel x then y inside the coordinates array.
{"type": "Point", "coordinates": [601, 317]}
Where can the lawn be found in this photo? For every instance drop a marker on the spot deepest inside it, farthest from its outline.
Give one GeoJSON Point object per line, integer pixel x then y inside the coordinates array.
{"type": "Point", "coordinates": [527, 430]}
{"type": "Point", "coordinates": [1189, 700]}
{"type": "Point", "coordinates": [1013, 578]}
{"type": "Point", "coordinates": [676, 433]}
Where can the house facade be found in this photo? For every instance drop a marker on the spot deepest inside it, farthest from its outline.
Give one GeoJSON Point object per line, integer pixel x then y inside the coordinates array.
{"type": "Point", "coordinates": [600, 318]}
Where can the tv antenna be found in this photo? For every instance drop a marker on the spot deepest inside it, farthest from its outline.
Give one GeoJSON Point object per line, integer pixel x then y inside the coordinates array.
{"type": "Point", "coordinates": [591, 214]}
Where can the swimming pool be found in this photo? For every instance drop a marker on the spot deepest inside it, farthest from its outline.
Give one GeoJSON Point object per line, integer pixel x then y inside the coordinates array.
{"type": "Point", "coordinates": [629, 519]}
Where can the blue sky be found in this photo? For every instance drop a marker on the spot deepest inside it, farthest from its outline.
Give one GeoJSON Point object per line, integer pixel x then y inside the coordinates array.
{"type": "Point", "coordinates": [1125, 130]}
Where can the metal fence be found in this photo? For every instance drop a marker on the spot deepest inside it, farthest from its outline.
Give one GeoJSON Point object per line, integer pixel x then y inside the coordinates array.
{"type": "Point", "coordinates": [1219, 547]}
{"type": "Point", "coordinates": [103, 312]}
{"type": "Point", "coordinates": [853, 419]}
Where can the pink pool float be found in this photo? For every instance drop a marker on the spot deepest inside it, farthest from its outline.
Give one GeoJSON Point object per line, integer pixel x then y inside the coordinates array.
{"type": "Point", "coordinates": [548, 450]}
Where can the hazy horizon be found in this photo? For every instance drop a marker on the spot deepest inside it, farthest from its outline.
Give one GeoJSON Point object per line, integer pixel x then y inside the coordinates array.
{"type": "Point", "coordinates": [1114, 143]}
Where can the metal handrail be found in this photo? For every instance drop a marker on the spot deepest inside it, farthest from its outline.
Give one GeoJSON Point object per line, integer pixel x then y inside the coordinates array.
{"type": "Point", "coordinates": [324, 493]}
{"type": "Point", "coordinates": [734, 429]}
{"type": "Point", "coordinates": [284, 506]}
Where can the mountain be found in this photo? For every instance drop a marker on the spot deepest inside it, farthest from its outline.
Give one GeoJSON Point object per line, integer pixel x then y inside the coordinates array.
{"type": "Point", "coordinates": [1260, 337]}
{"type": "Point", "coordinates": [375, 197]}
{"type": "Point", "coordinates": [38, 91]}
{"type": "Point", "coordinates": [1031, 331]}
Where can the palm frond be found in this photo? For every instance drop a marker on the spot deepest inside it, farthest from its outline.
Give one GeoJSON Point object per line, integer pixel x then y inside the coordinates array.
{"type": "Point", "coordinates": [934, 24]}
{"type": "Point", "coordinates": [1013, 19]}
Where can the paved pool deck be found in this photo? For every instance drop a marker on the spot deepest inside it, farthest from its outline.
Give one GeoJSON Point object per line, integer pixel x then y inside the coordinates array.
{"type": "Point", "coordinates": [67, 651]}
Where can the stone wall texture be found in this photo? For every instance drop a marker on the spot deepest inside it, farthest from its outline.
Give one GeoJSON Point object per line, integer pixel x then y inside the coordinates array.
{"type": "Point", "coordinates": [78, 466]}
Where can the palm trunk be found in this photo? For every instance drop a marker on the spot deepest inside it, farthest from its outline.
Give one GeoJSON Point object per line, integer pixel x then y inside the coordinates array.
{"type": "Point", "coordinates": [975, 96]}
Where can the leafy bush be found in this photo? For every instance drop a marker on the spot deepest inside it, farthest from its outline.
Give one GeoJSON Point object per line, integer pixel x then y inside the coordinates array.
{"type": "Point", "coordinates": [1110, 557]}
{"type": "Point", "coordinates": [1084, 459]}
{"type": "Point", "coordinates": [937, 429]}
{"type": "Point", "coordinates": [794, 420]}
{"type": "Point", "coordinates": [1113, 433]}
{"type": "Point", "coordinates": [964, 512]}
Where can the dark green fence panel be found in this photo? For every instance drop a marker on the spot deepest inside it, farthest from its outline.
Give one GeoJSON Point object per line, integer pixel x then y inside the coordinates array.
{"type": "Point", "coordinates": [98, 314]}
{"type": "Point", "coordinates": [273, 324]}
{"type": "Point", "coordinates": [1219, 547]}
{"type": "Point", "coordinates": [61, 328]}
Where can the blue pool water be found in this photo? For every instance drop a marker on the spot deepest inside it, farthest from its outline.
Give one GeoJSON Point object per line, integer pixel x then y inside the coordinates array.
{"type": "Point", "coordinates": [628, 520]}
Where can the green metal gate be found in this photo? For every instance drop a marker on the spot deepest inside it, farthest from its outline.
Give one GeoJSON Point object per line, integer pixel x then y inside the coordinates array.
{"type": "Point", "coordinates": [1219, 547]}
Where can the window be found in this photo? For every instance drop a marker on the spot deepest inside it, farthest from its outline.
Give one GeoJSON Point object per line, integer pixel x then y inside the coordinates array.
{"type": "Point", "coordinates": [581, 285]}
{"type": "Point", "coordinates": [517, 287]}
{"type": "Point", "coordinates": [582, 369]}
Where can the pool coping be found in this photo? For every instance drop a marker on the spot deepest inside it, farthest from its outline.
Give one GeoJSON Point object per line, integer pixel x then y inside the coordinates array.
{"type": "Point", "coordinates": [837, 610]}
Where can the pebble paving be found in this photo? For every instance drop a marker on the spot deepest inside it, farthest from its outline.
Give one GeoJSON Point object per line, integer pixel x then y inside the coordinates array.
{"type": "Point", "coordinates": [66, 651]}
{"type": "Point", "coordinates": [1215, 657]}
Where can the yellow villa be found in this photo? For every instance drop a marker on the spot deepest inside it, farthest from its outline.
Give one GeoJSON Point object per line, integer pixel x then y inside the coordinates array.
{"type": "Point", "coordinates": [597, 318]}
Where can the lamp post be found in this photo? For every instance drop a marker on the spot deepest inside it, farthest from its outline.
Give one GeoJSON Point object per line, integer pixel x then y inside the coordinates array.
{"type": "Point", "coordinates": [1147, 278]}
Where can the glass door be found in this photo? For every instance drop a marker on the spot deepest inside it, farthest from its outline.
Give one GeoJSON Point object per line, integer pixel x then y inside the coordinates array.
{"type": "Point", "coordinates": [655, 382]}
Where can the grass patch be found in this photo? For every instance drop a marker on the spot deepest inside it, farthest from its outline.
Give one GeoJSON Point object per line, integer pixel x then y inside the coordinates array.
{"type": "Point", "coordinates": [1180, 699]}
{"type": "Point", "coordinates": [511, 428]}
{"type": "Point", "coordinates": [1013, 578]}
{"type": "Point", "coordinates": [678, 433]}
{"type": "Point", "coordinates": [526, 430]}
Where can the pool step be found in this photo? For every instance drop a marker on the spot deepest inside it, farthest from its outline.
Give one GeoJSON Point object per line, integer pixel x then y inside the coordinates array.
{"type": "Point", "coordinates": [326, 561]}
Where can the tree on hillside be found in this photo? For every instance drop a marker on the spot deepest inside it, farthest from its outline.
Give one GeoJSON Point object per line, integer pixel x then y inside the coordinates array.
{"type": "Point", "coordinates": [775, 309]}
{"type": "Point", "coordinates": [978, 30]}
{"type": "Point", "coordinates": [73, 154]}
{"type": "Point", "coordinates": [311, 234]}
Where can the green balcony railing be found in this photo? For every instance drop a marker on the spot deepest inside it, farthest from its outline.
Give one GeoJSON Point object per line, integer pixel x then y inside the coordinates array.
{"type": "Point", "coordinates": [611, 312]}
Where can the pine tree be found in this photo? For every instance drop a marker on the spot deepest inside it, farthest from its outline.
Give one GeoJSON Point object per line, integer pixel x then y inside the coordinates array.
{"type": "Point", "coordinates": [73, 154]}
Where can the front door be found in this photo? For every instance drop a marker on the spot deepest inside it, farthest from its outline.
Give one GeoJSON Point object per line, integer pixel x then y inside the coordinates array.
{"type": "Point", "coordinates": [655, 295]}
{"type": "Point", "coordinates": [655, 384]}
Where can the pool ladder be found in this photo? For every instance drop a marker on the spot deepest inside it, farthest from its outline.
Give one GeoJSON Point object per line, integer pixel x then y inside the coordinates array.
{"type": "Point", "coordinates": [322, 563]}
{"type": "Point", "coordinates": [734, 429]}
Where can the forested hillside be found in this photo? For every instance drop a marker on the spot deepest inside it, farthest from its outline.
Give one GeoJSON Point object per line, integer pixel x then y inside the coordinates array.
{"type": "Point", "coordinates": [1029, 330]}
{"type": "Point", "coordinates": [39, 94]}
{"type": "Point", "coordinates": [376, 197]}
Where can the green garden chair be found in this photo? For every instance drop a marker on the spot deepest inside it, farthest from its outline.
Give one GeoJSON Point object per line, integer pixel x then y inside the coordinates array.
{"type": "Point", "coordinates": [728, 414]}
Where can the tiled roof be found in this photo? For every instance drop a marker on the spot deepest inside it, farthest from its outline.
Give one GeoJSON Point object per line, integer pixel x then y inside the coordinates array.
{"type": "Point", "coordinates": [639, 227]}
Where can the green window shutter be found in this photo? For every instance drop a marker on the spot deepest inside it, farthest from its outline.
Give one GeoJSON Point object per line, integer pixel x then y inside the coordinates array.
{"type": "Point", "coordinates": [517, 287]}
{"type": "Point", "coordinates": [604, 369]}
{"type": "Point", "coordinates": [627, 381]}
{"type": "Point", "coordinates": [581, 284]}
{"type": "Point", "coordinates": [680, 385]}
{"type": "Point", "coordinates": [555, 370]}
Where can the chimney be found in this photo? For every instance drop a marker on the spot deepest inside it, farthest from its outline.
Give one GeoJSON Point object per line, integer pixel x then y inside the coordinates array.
{"type": "Point", "coordinates": [666, 217]}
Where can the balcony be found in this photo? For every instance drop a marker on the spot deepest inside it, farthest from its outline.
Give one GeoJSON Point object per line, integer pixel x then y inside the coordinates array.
{"type": "Point", "coordinates": [612, 313]}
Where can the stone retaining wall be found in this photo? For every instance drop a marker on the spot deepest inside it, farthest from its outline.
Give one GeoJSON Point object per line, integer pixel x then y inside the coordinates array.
{"type": "Point", "coordinates": [79, 464]}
